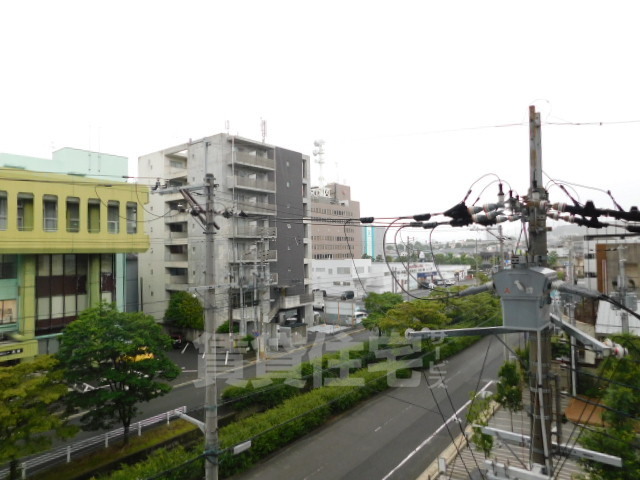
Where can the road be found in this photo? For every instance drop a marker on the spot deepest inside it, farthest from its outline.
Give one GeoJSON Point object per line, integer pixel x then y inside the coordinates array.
{"type": "Point", "coordinates": [379, 439]}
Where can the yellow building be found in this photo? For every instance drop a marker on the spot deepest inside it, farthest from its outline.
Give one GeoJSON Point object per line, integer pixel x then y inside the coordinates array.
{"type": "Point", "coordinates": [60, 236]}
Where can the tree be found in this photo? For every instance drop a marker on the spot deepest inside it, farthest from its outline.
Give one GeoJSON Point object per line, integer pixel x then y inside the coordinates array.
{"type": "Point", "coordinates": [509, 388]}
{"type": "Point", "coordinates": [621, 397]}
{"type": "Point", "coordinates": [377, 305]}
{"type": "Point", "coordinates": [30, 398]}
{"type": "Point", "coordinates": [122, 354]}
{"type": "Point", "coordinates": [417, 315]}
{"type": "Point", "coordinates": [185, 311]}
{"type": "Point", "coordinates": [478, 416]}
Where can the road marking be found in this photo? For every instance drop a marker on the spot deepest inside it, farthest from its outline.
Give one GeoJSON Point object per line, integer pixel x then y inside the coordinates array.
{"type": "Point", "coordinates": [432, 436]}
{"type": "Point", "coordinates": [377, 429]}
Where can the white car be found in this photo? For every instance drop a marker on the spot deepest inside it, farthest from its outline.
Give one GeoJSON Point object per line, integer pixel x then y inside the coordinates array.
{"type": "Point", "coordinates": [359, 316]}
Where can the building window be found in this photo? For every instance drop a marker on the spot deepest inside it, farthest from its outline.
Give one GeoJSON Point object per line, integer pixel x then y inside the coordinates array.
{"type": "Point", "coordinates": [3, 210]}
{"type": "Point", "coordinates": [73, 214]}
{"type": "Point", "coordinates": [8, 312]}
{"type": "Point", "coordinates": [113, 217]}
{"type": "Point", "coordinates": [50, 213]}
{"type": "Point", "coordinates": [132, 218]}
{"type": "Point", "coordinates": [25, 212]}
{"type": "Point", "coordinates": [61, 290]}
{"type": "Point", "coordinates": [8, 266]}
{"type": "Point", "coordinates": [344, 270]}
{"type": "Point", "coordinates": [93, 215]}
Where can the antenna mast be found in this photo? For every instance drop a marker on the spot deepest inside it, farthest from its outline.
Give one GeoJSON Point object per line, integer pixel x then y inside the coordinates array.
{"type": "Point", "coordinates": [318, 153]}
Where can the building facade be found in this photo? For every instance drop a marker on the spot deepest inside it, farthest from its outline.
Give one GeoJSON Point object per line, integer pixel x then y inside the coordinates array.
{"type": "Point", "coordinates": [261, 246]}
{"type": "Point", "coordinates": [335, 233]}
{"type": "Point", "coordinates": [64, 240]}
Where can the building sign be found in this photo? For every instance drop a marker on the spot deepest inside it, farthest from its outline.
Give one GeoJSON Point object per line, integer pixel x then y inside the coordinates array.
{"type": "Point", "coordinates": [369, 241]}
{"type": "Point", "coordinates": [15, 351]}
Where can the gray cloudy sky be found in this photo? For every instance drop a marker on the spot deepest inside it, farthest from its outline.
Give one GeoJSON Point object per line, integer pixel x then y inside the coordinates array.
{"type": "Point", "coordinates": [398, 90]}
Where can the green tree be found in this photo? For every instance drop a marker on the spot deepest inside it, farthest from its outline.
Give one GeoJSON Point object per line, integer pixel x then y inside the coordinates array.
{"type": "Point", "coordinates": [417, 315]}
{"type": "Point", "coordinates": [509, 388]}
{"type": "Point", "coordinates": [184, 311]}
{"type": "Point", "coordinates": [377, 305]}
{"type": "Point", "coordinates": [123, 354]}
{"type": "Point", "coordinates": [478, 416]}
{"type": "Point", "coordinates": [30, 398]}
{"type": "Point", "coordinates": [619, 436]}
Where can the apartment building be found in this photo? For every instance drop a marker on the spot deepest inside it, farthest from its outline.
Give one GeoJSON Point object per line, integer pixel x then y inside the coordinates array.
{"type": "Point", "coordinates": [261, 245]}
{"type": "Point", "coordinates": [63, 244]}
{"type": "Point", "coordinates": [334, 232]}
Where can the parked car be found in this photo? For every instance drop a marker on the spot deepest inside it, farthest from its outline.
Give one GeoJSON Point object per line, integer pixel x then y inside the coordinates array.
{"type": "Point", "coordinates": [449, 283]}
{"type": "Point", "coordinates": [358, 316]}
{"type": "Point", "coordinates": [347, 295]}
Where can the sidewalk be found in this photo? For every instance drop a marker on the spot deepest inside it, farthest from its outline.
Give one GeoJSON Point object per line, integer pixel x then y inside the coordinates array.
{"type": "Point", "coordinates": [462, 458]}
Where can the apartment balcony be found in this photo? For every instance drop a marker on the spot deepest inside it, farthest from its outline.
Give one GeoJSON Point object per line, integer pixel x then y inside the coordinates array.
{"type": "Point", "coordinates": [247, 313]}
{"type": "Point", "coordinates": [176, 217]}
{"type": "Point", "coordinates": [249, 160]}
{"type": "Point", "coordinates": [295, 301]}
{"type": "Point", "coordinates": [174, 280]}
{"type": "Point", "coordinates": [259, 208]}
{"type": "Point", "coordinates": [263, 256]}
{"type": "Point", "coordinates": [251, 184]}
{"type": "Point", "coordinates": [255, 232]}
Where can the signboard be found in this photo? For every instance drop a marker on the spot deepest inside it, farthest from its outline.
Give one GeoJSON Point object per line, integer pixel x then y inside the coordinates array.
{"type": "Point", "coordinates": [15, 351]}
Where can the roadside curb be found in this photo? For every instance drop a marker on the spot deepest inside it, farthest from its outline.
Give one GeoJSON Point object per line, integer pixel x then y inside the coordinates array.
{"type": "Point", "coordinates": [450, 453]}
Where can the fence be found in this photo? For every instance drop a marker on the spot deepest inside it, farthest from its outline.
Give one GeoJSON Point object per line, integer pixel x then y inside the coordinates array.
{"type": "Point", "coordinates": [64, 454]}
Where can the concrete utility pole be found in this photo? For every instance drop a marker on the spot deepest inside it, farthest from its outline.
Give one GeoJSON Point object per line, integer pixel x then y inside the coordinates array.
{"type": "Point", "coordinates": [624, 316]}
{"type": "Point", "coordinates": [539, 342]}
{"type": "Point", "coordinates": [211, 390]}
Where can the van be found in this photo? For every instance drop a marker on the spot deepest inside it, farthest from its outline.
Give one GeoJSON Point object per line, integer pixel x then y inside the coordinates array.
{"type": "Point", "coordinates": [347, 295]}
{"type": "Point", "coordinates": [358, 316]}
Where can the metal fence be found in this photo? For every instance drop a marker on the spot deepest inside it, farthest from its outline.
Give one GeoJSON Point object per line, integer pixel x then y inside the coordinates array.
{"type": "Point", "coordinates": [64, 454]}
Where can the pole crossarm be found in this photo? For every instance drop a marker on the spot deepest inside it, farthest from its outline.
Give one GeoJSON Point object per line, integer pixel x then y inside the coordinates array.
{"type": "Point", "coordinates": [586, 339]}
{"type": "Point", "coordinates": [563, 449]}
{"type": "Point", "coordinates": [455, 332]}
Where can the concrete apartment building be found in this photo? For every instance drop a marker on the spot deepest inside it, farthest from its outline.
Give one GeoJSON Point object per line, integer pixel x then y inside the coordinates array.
{"type": "Point", "coordinates": [262, 251]}
{"type": "Point", "coordinates": [64, 239]}
{"type": "Point", "coordinates": [332, 235]}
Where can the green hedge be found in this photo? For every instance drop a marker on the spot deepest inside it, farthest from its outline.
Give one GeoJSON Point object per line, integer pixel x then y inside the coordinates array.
{"type": "Point", "coordinates": [295, 411]}
{"type": "Point", "coordinates": [295, 417]}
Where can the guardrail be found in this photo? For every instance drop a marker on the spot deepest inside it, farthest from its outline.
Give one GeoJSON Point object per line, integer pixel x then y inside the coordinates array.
{"type": "Point", "coordinates": [33, 464]}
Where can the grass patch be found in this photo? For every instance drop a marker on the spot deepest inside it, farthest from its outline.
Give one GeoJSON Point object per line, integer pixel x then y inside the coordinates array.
{"type": "Point", "coordinates": [102, 458]}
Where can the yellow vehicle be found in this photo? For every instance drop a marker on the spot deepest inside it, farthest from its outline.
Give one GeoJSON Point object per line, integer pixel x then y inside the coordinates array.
{"type": "Point", "coordinates": [144, 355]}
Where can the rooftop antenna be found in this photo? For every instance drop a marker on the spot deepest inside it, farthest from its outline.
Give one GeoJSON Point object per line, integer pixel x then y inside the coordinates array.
{"type": "Point", "coordinates": [226, 126]}
{"type": "Point", "coordinates": [263, 128]}
{"type": "Point", "coordinates": [318, 153]}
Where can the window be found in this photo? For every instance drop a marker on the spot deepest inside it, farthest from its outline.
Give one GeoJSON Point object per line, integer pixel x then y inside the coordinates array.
{"type": "Point", "coordinates": [113, 217]}
{"type": "Point", "coordinates": [50, 213]}
{"type": "Point", "coordinates": [25, 212]}
{"type": "Point", "coordinates": [8, 312]}
{"type": "Point", "coordinates": [93, 215]}
{"type": "Point", "coordinates": [344, 270]}
{"type": "Point", "coordinates": [3, 210]}
{"type": "Point", "coordinates": [132, 218]}
{"type": "Point", "coordinates": [73, 214]}
{"type": "Point", "coordinates": [8, 266]}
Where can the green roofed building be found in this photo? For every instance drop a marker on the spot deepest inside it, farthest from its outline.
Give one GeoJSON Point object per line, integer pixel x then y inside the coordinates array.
{"type": "Point", "coordinates": [63, 240]}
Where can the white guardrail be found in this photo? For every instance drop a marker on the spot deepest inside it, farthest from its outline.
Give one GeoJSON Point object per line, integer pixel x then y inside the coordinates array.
{"type": "Point", "coordinates": [31, 465]}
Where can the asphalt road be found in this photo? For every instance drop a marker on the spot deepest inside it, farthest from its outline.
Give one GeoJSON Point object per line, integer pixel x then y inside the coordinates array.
{"type": "Point", "coordinates": [393, 435]}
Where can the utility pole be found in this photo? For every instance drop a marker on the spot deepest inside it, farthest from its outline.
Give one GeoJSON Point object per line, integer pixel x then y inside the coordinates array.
{"type": "Point", "coordinates": [211, 390]}
{"type": "Point", "coordinates": [539, 342]}
{"type": "Point", "coordinates": [624, 316]}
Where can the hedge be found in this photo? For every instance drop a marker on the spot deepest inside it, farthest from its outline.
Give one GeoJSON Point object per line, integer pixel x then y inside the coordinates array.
{"type": "Point", "coordinates": [295, 411]}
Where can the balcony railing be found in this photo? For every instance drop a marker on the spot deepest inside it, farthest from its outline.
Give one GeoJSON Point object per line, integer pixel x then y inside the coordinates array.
{"type": "Point", "coordinates": [252, 183]}
{"type": "Point", "coordinates": [256, 232]}
{"type": "Point", "coordinates": [248, 159]}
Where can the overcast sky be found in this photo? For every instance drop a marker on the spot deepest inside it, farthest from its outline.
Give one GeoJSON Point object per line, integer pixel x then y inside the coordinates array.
{"type": "Point", "coordinates": [397, 90]}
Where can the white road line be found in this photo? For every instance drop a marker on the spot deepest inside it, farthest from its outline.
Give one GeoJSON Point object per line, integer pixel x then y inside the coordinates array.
{"type": "Point", "coordinates": [432, 436]}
